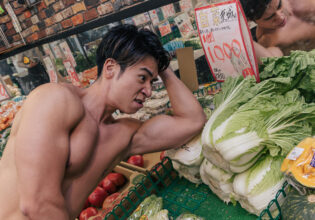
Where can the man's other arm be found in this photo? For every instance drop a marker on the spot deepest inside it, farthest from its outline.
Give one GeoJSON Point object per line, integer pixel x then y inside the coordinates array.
{"type": "Point", "coordinates": [262, 51]}
{"type": "Point", "coordinates": [42, 148]}
{"type": "Point", "coordinates": [164, 131]}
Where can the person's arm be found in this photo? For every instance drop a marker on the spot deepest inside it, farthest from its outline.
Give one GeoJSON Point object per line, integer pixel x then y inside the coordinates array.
{"type": "Point", "coordinates": [304, 9]}
{"type": "Point", "coordinates": [163, 131]}
{"type": "Point", "coordinates": [266, 52]}
{"type": "Point", "coordinates": [42, 149]}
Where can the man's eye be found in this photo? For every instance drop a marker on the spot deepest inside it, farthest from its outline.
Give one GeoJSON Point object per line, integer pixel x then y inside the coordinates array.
{"type": "Point", "coordinates": [142, 78]}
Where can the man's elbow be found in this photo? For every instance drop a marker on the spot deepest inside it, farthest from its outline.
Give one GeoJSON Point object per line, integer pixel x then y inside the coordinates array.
{"type": "Point", "coordinates": [199, 121]}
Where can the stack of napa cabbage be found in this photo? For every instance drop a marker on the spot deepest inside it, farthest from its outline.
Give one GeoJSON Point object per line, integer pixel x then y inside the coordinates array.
{"type": "Point", "coordinates": [247, 136]}
{"type": "Point", "coordinates": [187, 159]}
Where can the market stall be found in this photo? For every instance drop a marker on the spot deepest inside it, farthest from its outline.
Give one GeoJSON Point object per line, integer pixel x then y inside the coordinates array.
{"type": "Point", "coordinates": [254, 158]}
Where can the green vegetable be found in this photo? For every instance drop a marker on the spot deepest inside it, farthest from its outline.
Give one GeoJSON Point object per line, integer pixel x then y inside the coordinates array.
{"type": "Point", "coordinates": [298, 207]}
{"type": "Point", "coordinates": [218, 180]}
{"type": "Point", "coordinates": [299, 66]}
{"type": "Point", "coordinates": [142, 207]}
{"type": "Point", "coordinates": [189, 216]}
{"type": "Point", "coordinates": [187, 159]}
{"type": "Point", "coordinates": [259, 184]}
{"type": "Point", "coordinates": [273, 120]}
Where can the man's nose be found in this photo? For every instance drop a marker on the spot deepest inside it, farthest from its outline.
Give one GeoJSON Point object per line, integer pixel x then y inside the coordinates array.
{"type": "Point", "coordinates": [147, 91]}
{"type": "Point", "coordinates": [279, 16]}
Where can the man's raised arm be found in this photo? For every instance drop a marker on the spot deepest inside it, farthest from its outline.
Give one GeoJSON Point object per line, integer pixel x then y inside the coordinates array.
{"type": "Point", "coordinates": [42, 149]}
{"type": "Point", "coordinates": [163, 131]}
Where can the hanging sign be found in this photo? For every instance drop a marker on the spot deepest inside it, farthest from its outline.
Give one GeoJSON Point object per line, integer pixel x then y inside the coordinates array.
{"type": "Point", "coordinates": [50, 69]}
{"type": "Point", "coordinates": [168, 10]}
{"type": "Point", "coordinates": [184, 25]}
{"type": "Point", "coordinates": [141, 19]}
{"type": "Point", "coordinates": [67, 52]}
{"type": "Point", "coordinates": [154, 17]}
{"type": "Point", "coordinates": [165, 28]}
{"type": "Point", "coordinates": [226, 40]}
{"type": "Point", "coordinates": [71, 72]}
{"type": "Point", "coordinates": [3, 91]}
{"type": "Point", "coordinates": [185, 5]}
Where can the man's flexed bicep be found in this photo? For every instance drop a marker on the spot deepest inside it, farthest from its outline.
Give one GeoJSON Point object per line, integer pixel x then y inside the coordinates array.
{"type": "Point", "coordinates": [164, 132]}
{"type": "Point", "coordinates": [41, 151]}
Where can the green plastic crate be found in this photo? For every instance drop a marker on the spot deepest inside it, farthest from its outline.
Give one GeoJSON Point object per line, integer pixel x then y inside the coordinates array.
{"type": "Point", "coordinates": [179, 196]}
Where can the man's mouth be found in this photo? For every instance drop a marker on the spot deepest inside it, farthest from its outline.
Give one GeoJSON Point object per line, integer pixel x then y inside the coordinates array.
{"type": "Point", "coordinates": [283, 23]}
{"type": "Point", "coordinates": [139, 102]}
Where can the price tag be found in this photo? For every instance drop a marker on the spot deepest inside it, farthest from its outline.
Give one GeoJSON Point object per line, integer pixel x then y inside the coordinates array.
{"type": "Point", "coordinates": [3, 91]}
{"type": "Point", "coordinates": [185, 5]}
{"type": "Point", "coordinates": [184, 25]}
{"type": "Point", "coordinates": [165, 28]}
{"type": "Point", "coordinates": [168, 10]}
{"type": "Point", "coordinates": [313, 159]}
{"type": "Point", "coordinates": [71, 72]}
{"type": "Point", "coordinates": [226, 40]}
{"type": "Point", "coordinates": [295, 153]}
{"type": "Point", "coordinates": [67, 52]}
{"type": "Point", "coordinates": [154, 17]}
{"type": "Point", "coordinates": [50, 69]}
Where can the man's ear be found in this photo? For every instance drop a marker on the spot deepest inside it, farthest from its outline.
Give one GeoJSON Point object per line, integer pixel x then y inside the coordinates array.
{"type": "Point", "coordinates": [110, 68]}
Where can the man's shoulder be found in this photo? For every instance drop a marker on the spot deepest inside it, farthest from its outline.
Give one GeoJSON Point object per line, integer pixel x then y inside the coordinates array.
{"type": "Point", "coordinates": [51, 91]}
{"type": "Point", "coordinates": [58, 95]}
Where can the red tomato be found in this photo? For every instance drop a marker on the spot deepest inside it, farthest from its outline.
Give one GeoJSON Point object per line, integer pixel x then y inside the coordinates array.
{"type": "Point", "coordinates": [87, 213]}
{"type": "Point", "coordinates": [109, 201]}
{"type": "Point", "coordinates": [97, 197]}
{"type": "Point", "coordinates": [109, 186]}
{"type": "Point", "coordinates": [162, 155]}
{"type": "Point", "coordinates": [136, 160]}
{"type": "Point", "coordinates": [117, 178]}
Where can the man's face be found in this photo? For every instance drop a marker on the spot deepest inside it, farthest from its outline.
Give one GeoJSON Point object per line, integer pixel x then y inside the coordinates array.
{"type": "Point", "coordinates": [134, 85]}
{"type": "Point", "coordinates": [275, 16]}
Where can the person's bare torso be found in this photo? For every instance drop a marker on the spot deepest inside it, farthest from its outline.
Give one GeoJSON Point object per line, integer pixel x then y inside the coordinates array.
{"type": "Point", "coordinates": [297, 34]}
{"type": "Point", "coordinates": [94, 150]}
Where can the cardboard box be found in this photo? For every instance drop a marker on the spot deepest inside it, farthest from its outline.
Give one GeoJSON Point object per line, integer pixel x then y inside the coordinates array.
{"type": "Point", "coordinates": [150, 160]}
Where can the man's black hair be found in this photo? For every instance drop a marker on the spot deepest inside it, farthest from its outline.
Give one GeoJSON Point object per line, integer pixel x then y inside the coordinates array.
{"type": "Point", "coordinates": [127, 45]}
{"type": "Point", "coordinates": [254, 9]}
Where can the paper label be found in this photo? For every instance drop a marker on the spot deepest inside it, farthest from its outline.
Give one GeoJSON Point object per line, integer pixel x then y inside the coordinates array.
{"type": "Point", "coordinates": [165, 28]}
{"type": "Point", "coordinates": [226, 40]}
{"type": "Point", "coordinates": [71, 72]}
{"type": "Point", "coordinates": [3, 93]}
{"type": "Point", "coordinates": [50, 69]}
{"type": "Point", "coordinates": [313, 159]}
{"type": "Point", "coordinates": [295, 153]}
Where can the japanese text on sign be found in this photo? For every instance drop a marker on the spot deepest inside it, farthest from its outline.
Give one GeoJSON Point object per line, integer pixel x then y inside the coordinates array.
{"type": "Point", "coordinates": [223, 40]}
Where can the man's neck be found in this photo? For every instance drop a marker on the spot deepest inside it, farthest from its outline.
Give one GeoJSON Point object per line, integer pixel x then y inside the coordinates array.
{"type": "Point", "coordinates": [96, 102]}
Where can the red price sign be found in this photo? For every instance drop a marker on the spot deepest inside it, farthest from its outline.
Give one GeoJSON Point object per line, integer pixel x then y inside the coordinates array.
{"type": "Point", "coordinates": [165, 28]}
{"type": "Point", "coordinates": [226, 41]}
{"type": "Point", "coordinates": [3, 92]}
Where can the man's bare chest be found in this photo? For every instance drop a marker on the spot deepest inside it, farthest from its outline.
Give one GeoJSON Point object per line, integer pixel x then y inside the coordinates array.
{"type": "Point", "coordinates": [94, 148]}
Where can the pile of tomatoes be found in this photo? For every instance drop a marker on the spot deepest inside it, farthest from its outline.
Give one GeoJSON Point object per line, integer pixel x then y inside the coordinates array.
{"type": "Point", "coordinates": [104, 196]}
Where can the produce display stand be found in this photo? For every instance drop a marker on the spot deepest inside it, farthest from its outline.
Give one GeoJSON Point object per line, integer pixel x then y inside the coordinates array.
{"type": "Point", "coordinates": [275, 215]}
{"type": "Point", "coordinates": [179, 196]}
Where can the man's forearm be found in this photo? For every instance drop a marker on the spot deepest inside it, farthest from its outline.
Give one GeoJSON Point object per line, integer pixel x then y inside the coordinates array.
{"type": "Point", "coordinates": [183, 102]}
